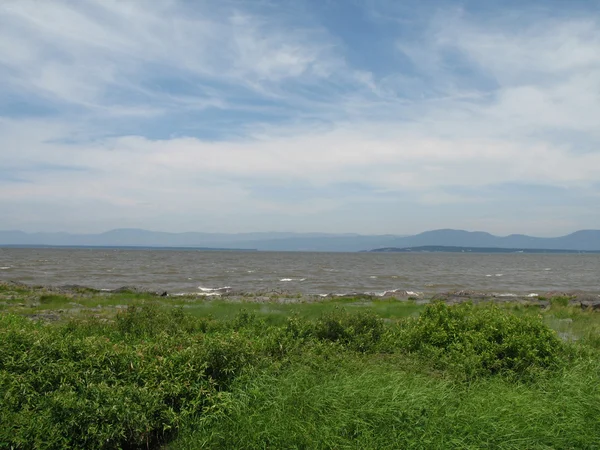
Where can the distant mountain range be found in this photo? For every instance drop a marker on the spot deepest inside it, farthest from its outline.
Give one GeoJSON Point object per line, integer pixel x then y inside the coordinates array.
{"type": "Point", "coordinates": [584, 240]}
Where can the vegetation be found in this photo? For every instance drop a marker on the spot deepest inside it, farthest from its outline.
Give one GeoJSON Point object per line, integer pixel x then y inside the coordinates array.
{"type": "Point", "coordinates": [343, 374]}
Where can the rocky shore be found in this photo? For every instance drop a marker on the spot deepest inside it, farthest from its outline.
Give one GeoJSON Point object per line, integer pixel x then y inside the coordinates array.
{"type": "Point", "coordinates": [575, 298]}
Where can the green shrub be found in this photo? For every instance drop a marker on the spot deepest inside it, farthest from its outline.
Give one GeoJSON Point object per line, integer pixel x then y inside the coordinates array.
{"type": "Point", "coordinates": [226, 356]}
{"type": "Point", "coordinates": [359, 331]}
{"type": "Point", "coordinates": [298, 328]}
{"type": "Point", "coordinates": [560, 300]}
{"type": "Point", "coordinates": [102, 386]}
{"type": "Point", "coordinates": [149, 320]}
{"type": "Point", "coordinates": [477, 341]}
{"type": "Point", "coordinates": [136, 381]}
{"type": "Point", "coordinates": [243, 319]}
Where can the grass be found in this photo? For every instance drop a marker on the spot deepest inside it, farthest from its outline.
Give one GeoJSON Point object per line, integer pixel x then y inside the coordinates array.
{"type": "Point", "coordinates": [367, 403]}
{"type": "Point", "coordinates": [277, 313]}
{"type": "Point", "coordinates": [355, 373]}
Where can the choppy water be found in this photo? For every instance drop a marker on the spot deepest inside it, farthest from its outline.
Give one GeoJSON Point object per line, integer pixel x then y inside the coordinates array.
{"type": "Point", "coordinates": [308, 273]}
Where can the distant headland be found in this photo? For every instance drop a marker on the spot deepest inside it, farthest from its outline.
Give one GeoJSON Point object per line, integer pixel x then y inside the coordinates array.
{"type": "Point", "coordinates": [451, 249]}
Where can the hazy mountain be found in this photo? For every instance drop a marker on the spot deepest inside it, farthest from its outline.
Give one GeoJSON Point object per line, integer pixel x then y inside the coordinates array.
{"type": "Point", "coordinates": [130, 237]}
{"type": "Point", "coordinates": [580, 240]}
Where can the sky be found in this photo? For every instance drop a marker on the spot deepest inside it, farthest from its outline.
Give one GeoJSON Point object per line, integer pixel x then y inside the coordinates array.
{"type": "Point", "coordinates": [363, 116]}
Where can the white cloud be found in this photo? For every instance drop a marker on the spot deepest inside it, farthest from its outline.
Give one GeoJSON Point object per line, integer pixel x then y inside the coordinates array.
{"type": "Point", "coordinates": [546, 74]}
{"type": "Point", "coordinates": [78, 51]}
{"type": "Point", "coordinates": [445, 134]}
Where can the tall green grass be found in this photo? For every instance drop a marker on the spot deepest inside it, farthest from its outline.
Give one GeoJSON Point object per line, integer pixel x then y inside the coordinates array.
{"type": "Point", "coordinates": [340, 377]}
{"type": "Point", "coordinates": [369, 403]}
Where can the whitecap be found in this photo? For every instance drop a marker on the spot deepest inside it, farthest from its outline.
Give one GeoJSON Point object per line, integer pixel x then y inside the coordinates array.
{"type": "Point", "coordinates": [286, 279]}
{"type": "Point", "coordinates": [547, 268]}
{"type": "Point", "coordinates": [372, 276]}
{"type": "Point", "coordinates": [499, 274]}
{"type": "Point", "coordinates": [215, 290]}
{"type": "Point", "coordinates": [376, 294]}
{"type": "Point", "coordinates": [488, 275]}
{"type": "Point", "coordinates": [195, 294]}
{"type": "Point", "coordinates": [5, 268]}
{"type": "Point", "coordinates": [533, 295]}
{"type": "Point", "coordinates": [395, 291]}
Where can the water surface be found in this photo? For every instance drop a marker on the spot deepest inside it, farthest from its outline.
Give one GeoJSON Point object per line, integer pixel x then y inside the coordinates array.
{"type": "Point", "coordinates": [178, 271]}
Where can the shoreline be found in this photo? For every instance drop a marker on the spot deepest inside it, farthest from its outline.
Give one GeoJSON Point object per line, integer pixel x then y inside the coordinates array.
{"type": "Point", "coordinates": [583, 299]}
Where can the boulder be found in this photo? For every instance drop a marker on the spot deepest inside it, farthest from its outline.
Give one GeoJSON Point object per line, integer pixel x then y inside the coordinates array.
{"type": "Point", "coordinates": [593, 305]}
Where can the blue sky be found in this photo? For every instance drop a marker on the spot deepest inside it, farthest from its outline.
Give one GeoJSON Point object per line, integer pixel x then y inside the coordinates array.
{"type": "Point", "coordinates": [336, 116]}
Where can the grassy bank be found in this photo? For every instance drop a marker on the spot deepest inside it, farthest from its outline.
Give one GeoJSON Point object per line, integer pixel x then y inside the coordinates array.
{"type": "Point", "coordinates": [146, 372]}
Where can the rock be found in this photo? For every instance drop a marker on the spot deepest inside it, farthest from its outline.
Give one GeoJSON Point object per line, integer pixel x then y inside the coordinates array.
{"type": "Point", "coordinates": [593, 305]}
{"type": "Point", "coordinates": [399, 294]}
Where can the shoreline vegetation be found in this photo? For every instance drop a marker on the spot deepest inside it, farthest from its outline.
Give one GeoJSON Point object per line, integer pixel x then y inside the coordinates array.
{"type": "Point", "coordinates": [83, 368]}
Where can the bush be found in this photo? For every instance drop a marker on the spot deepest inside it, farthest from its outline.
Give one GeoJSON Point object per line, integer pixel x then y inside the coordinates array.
{"type": "Point", "coordinates": [68, 387]}
{"type": "Point", "coordinates": [473, 342]}
{"type": "Point", "coordinates": [149, 320]}
{"type": "Point", "coordinates": [226, 356]}
{"type": "Point", "coordinates": [360, 331]}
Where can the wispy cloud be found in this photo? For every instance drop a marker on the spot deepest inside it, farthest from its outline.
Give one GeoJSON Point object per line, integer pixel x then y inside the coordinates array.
{"type": "Point", "coordinates": [187, 115]}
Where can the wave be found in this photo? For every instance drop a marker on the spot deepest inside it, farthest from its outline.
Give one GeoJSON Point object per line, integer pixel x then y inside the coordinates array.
{"type": "Point", "coordinates": [388, 293]}
{"type": "Point", "coordinates": [214, 291]}
{"type": "Point", "coordinates": [195, 294]}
